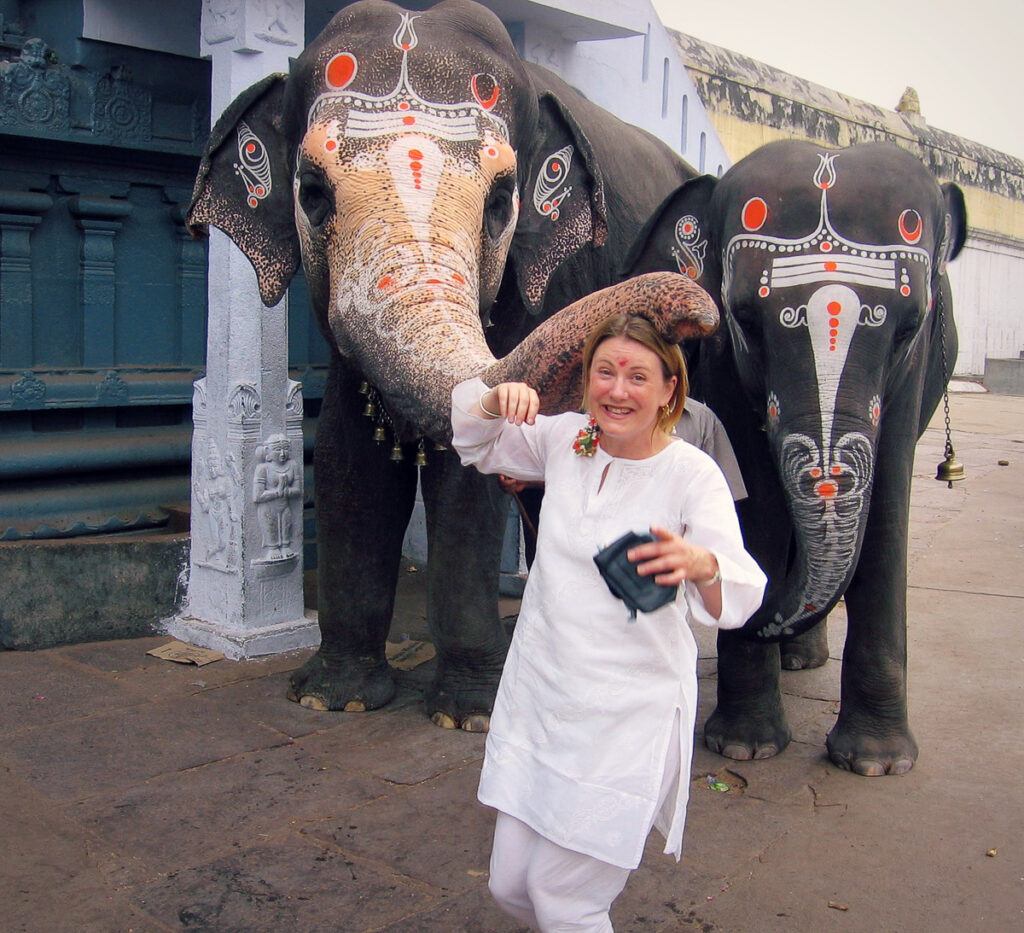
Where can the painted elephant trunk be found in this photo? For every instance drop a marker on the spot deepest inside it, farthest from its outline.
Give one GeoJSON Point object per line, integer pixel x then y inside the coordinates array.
{"type": "Point", "coordinates": [420, 369]}
{"type": "Point", "coordinates": [828, 493]}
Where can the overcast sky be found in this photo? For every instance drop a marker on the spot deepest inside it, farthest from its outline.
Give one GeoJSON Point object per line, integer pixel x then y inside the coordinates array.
{"type": "Point", "coordinates": [965, 58]}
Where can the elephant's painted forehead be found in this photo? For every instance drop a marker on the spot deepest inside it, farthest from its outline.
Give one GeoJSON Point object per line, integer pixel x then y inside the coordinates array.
{"type": "Point", "coordinates": [379, 85]}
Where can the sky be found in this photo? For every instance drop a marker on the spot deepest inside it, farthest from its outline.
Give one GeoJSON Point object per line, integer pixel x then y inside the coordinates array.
{"type": "Point", "coordinates": [963, 58]}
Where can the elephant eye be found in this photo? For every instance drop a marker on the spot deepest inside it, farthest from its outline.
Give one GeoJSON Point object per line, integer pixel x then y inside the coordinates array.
{"type": "Point", "coordinates": [498, 209]}
{"type": "Point", "coordinates": [314, 198]}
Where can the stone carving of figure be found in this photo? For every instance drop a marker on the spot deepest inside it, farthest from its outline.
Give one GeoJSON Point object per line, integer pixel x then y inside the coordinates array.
{"type": "Point", "coordinates": [216, 500]}
{"type": "Point", "coordinates": [34, 91]}
{"type": "Point", "coordinates": [277, 481]}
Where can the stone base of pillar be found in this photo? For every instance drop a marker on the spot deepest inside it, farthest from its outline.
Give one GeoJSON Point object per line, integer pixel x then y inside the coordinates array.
{"type": "Point", "coordinates": [240, 645]}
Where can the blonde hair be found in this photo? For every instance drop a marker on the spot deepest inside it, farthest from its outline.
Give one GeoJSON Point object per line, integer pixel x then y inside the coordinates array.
{"type": "Point", "coordinates": [639, 329]}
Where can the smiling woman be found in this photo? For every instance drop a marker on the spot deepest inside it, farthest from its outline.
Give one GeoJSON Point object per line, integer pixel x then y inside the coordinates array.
{"type": "Point", "coordinates": [570, 735]}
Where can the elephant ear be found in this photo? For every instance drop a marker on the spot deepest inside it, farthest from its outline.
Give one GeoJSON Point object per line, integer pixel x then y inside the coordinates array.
{"type": "Point", "coordinates": [956, 225]}
{"type": "Point", "coordinates": [676, 238]}
{"type": "Point", "coordinates": [562, 207]}
{"type": "Point", "coordinates": [244, 185]}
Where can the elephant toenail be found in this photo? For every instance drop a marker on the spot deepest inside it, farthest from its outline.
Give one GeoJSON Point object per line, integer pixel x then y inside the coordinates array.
{"type": "Point", "coordinates": [311, 702]}
{"type": "Point", "coordinates": [737, 752]}
{"type": "Point", "coordinates": [765, 751]}
{"type": "Point", "coordinates": [869, 767]}
{"type": "Point", "coordinates": [443, 720]}
{"type": "Point", "coordinates": [477, 723]}
{"type": "Point", "coordinates": [355, 706]}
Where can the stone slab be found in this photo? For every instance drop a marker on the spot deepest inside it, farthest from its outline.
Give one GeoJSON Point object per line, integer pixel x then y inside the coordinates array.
{"type": "Point", "coordinates": [1004, 377]}
{"type": "Point", "coordinates": [88, 589]}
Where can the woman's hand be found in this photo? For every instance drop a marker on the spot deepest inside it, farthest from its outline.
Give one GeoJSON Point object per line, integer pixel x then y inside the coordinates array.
{"type": "Point", "coordinates": [673, 559]}
{"type": "Point", "coordinates": [515, 401]}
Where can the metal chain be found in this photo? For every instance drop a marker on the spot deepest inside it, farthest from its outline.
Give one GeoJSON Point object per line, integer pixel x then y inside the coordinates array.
{"type": "Point", "coordinates": [945, 374]}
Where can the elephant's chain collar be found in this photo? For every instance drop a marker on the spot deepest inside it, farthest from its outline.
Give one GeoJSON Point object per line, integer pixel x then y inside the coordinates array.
{"type": "Point", "coordinates": [376, 410]}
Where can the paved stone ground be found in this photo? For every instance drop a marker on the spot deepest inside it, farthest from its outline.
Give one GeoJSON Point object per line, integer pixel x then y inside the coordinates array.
{"type": "Point", "coordinates": [141, 795]}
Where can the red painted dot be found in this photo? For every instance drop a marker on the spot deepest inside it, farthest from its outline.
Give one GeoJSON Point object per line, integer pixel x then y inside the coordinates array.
{"type": "Point", "coordinates": [691, 271]}
{"type": "Point", "coordinates": [406, 46]}
{"type": "Point", "coordinates": [545, 207]}
{"type": "Point", "coordinates": [826, 490]}
{"type": "Point", "coordinates": [556, 167]}
{"type": "Point", "coordinates": [554, 215]}
{"type": "Point", "coordinates": [836, 469]}
{"type": "Point", "coordinates": [415, 166]}
{"type": "Point", "coordinates": [815, 472]}
{"type": "Point", "coordinates": [905, 290]}
{"type": "Point", "coordinates": [408, 121]}
{"type": "Point", "coordinates": [415, 154]}
{"type": "Point", "coordinates": [253, 202]}
{"type": "Point", "coordinates": [260, 191]}
{"type": "Point", "coordinates": [834, 307]}
{"type": "Point", "coordinates": [754, 214]}
{"type": "Point", "coordinates": [826, 247]}
{"type": "Point", "coordinates": [830, 267]}
{"type": "Point", "coordinates": [385, 281]}
{"type": "Point", "coordinates": [433, 281]}
{"type": "Point", "coordinates": [764, 291]}
{"type": "Point", "coordinates": [404, 105]}
{"type": "Point", "coordinates": [687, 228]}
{"type": "Point", "coordinates": [773, 412]}
{"type": "Point", "coordinates": [341, 70]}
{"type": "Point", "coordinates": [833, 333]}
{"type": "Point", "coordinates": [250, 148]}
{"type": "Point", "coordinates": [833, 322]}
{"type": "Point", "coordinates": [330, 145]}
{"type": "Point", "coordinates": [458, 278]}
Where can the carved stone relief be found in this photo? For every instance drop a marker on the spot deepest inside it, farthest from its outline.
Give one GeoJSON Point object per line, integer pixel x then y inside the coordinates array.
{"type": "Point", "coordinates": [121, 109]}
{"type": "Point", "coordinates": [277, 484]}
{"type": "Point", "coordinates": [113, 390]}
{"type": "Point", "coordinates": [33, 90]}
{"type": "Point", "coordinates": [29, 391]}
{"type": "Point", "coordinates": [244, 404]}
{"type": "Point", "coordinates": [217, 486]}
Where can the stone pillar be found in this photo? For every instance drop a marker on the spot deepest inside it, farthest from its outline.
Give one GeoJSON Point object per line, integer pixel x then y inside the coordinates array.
{"type": "Point", "coordinates": [245, 576]}
{"type": "Point", "coordinates": [20, 213]}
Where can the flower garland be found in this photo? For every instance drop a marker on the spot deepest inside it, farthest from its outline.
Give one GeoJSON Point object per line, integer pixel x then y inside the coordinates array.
{"type": "Point", "coordinates": [588, 440]}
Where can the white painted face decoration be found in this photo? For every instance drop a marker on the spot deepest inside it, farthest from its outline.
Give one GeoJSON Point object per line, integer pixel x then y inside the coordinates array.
{"type": "Point", "coordinates": [827, 481]}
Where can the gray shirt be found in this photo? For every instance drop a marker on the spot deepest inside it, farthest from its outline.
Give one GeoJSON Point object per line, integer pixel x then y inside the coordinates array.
{"type": "Point", "coordinates": [700, 426]}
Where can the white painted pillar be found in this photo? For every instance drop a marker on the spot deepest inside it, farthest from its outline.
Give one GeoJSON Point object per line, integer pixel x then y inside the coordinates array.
{"type": "Point", "coordinates": [245, 576]}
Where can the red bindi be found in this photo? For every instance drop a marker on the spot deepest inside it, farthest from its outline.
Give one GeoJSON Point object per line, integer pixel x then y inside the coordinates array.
{"type": "Point", "coordinates": [622, 362]}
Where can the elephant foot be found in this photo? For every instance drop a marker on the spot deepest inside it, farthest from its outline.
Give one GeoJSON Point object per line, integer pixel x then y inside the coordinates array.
{"type": "Point", "coordinates": [803, 652]}
{"type": "Point", "coordinates": [872, 755]}
{"type": "Point", "coordinates": [453, 702]}
{"type": "Point", "coordinates": [744, 737]}
{"type": "Point", "coordinates": [353, 685]}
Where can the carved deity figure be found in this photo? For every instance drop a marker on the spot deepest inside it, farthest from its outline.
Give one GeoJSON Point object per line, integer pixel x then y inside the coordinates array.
{"type": "Point", "coordinates": [276, 482]}
{"type": "Point", "coordinates": [216, 500]}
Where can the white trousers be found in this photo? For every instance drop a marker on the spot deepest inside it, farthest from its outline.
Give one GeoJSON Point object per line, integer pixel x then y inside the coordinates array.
{"type": "Point", "coordinates": [557, 890]}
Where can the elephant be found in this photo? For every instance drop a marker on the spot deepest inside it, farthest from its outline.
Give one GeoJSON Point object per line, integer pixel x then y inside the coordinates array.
{"type": "Point", "coordinates": [445, 198]}
{"type": "Point", "coordinates": [829, 268]}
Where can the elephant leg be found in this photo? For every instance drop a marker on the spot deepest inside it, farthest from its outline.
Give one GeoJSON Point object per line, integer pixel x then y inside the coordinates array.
{"type": "Point", "coordinates": [872, 734]}
{"type": "Point", "coordinates": [363, 504]}
{"type": "Point", "coordinates": [749, 721]}
{"type": "Point", "coordinates": [807, 650]}
{"type": "Point", "coordinates": [466, 514]}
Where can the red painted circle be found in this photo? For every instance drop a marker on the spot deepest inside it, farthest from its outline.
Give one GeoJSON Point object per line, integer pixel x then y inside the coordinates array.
{"type": "Point", "coordinates": [385, 281]}
{"type": "Point", "coordinates": [815, 472]}
{"type": "Point", "coordinates": [911, 226]}
{"type": "Point", "coordinates": [826, 490]}
{"type": "Point", "coordinates": [691, 271]}
{"type": "Point", "coordinates": [253, 202]}
{"type": "Point", "coordinates": [415, 166]}
{"type": "Point", "coordinates": [826, 247]}
{"type": "Point", "coordinates": [830, 267]}
{"type": "Point", "coordinates": [406, 46]}
{"type": "Point", "coordinates": [330, 145]}
{"type": "Point", "coordinates": [905, 290]}
{"type": "Point", "coordinates": [341, 70]}
{"type": "Point", "coordinates": [415, 154]}
{"type": "Point", "coordinates": [545, 207]}
{"type": "Point", "coordinates": [833, 322]}
{"type": "Point", "coordinates": [687, 228]}
{"type": "Point", "coordinates": [836, 469]}
{"type": "Point", "coordinates": [754, 214]}
{"type": "Point", "coordinates": [554, 215]}
{"type": "Point", "coordinates": [260, 191]}
{"type": "Point", "coordinates": [404, 105]}
{"type": "Point", "coordinates": [764, 291]}
{"type": "Point", "coordinates": [833, 333]}
{"type": "Point", "coordinates": [250, 148]}
{"type": "Point", "coordinates": [408, 121]}
{"type": "Point", "coordinates": [834, 307]}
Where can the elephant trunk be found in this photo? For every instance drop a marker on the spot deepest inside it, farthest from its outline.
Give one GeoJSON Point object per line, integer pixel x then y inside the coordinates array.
{"type": "Point", "coordinates": [828, 497]}
{"type": "Point", "coordinates": [416, 355]}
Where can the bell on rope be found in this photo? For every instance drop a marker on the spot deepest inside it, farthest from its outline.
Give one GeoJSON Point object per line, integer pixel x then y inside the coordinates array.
{"type": "Point", "coordinates": [364, 388]}
{"type": "Point", "coordinates": [379, 434]}
{"type": "Point", "coordinates": [421, 455]}
{"type": "Point", "coordinates": [396, 453]}
{"type": "Point", "coordinates": [950, 470]}
{"type": "Point", "coordinates": [370, 410]}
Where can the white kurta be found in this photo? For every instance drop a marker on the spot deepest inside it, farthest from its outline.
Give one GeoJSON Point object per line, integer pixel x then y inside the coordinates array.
{"type": "Point", "coordinates": [587, 700]}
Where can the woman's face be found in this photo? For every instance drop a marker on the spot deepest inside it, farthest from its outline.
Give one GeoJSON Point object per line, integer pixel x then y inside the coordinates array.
{"type": "Point", "coordinates": [626, 389]}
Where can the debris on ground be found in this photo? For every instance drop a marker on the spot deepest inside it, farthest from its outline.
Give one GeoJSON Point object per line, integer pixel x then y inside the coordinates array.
{"type": "Point", "coordinates": [408, 654]}
{"type": "Point", "coordinates": [181, 653]}
{"type": "Point", "coordinates": [835, 905]}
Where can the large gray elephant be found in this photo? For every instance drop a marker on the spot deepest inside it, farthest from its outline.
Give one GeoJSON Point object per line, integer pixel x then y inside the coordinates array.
{"type": "Point", "coordinates": [838, 343]}
{"type": "Point", "coordinates": [444, 198]}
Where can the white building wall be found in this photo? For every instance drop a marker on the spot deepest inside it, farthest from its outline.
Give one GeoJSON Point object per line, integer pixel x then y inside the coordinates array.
{"type": "Point", "coordinates": [987, 280]}
{"type": "Point", "coordinates": [641, 79]}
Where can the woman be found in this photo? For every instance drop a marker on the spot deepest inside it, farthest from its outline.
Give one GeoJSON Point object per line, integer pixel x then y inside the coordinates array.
{"type": "Point", "coordinates": [591, 734]}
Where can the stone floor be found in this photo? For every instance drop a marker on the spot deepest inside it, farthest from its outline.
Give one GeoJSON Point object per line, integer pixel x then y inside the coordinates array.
{"type": "Point", "coordinates": [143, 795]}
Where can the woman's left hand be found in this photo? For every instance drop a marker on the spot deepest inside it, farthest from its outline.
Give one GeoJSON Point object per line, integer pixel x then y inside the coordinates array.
{"type": "Point", "coordinates": [673, 559]}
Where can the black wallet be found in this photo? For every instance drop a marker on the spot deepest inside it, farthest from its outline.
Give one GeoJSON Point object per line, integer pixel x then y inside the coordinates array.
{"type": "Point", "coordinates": [640, 594]}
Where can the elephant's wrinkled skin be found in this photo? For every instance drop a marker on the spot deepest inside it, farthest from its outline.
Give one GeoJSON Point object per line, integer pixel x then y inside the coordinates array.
{"type": "Point", "coordinates": [830, 270]}
{"type": "Point", "coordinates": [443, 197]}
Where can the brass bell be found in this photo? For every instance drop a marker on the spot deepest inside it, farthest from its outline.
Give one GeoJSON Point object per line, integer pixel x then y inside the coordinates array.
{"type": "Point", "coordinates": [379, 434]}
{"type": "Point", "coordinates": [396, 453]}
{"type": "Point", "coordinates": [950, 470]}
{"type": "Point", "coordinates": [421, 455]}
{"type": "Point", "coordinates": [370, 410]}
{"type": "Point", "coordinates": [364, 388]}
